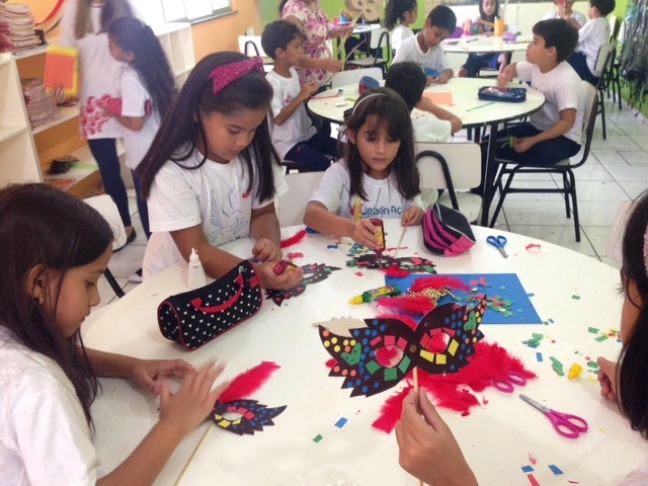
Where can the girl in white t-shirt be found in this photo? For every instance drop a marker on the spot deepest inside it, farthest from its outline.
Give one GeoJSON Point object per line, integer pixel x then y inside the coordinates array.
{"type": "Point", "coordinates": [54, 249]}
{"type": "Point", "coordinates": [399, 15]}
{"type": "Point", "coordinates": [211, 174]}
{"type": "Point", "coordinates": [147, 91]}
{"type": "Point", "coordinates": [378, 177]}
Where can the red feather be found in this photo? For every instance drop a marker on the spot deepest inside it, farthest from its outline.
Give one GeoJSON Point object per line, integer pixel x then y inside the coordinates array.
{"type": "Point", "coordinates": [408, 304]}
{"type": "Point", "coordinates": [391, 411]}
{"type": "Point", "coordinates": [293, 240]}
{"type": "Point", "coordinates": [248, 382]}
{"type": "Point", "coordinates": [437, 282]}
{"type": "Point", "coordinates": [411, 323]}
{"type": "Point", "coordinates": [395, 272]}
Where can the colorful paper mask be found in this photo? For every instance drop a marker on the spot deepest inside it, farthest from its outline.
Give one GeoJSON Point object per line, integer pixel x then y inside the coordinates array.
{"type": "Point", "coordinates": [313, 273]}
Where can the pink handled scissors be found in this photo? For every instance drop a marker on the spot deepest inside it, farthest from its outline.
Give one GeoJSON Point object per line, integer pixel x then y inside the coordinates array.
{"type": "Point", "coordinates": [567, 425]}
{"type": "Point", "coordinates": [507, 386]}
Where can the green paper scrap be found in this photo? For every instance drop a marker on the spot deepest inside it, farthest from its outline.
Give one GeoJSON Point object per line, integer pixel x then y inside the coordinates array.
{"type": "Point", "coordinates": [602, 338]}
{"type": "Point", "coordinates": [352, 100]}
{"type": "Point", "coordinates": [576, 297]}
{"type": "Point", "coordinates": [593, 330]}
{"type": "Point", "coordinates": [534, 342]}
{"type": "Point", "coordinates": [557, 366]}
{"type": "Point", "coordinates": [593, 364]}
{"type": "Point", "coordinates": [318, 438]}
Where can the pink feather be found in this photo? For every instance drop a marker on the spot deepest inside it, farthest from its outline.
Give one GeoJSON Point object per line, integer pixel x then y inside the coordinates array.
{"type": "Point", "coordinates": [437, 282]}
{"type": "Point", "coordinates": [248, 382]}
{"type": "Point", "coordinates": [408, 304]}
{"type": "Point", "coordinates": [395, 272]}
{"type": "Point", "coordinates": [391, 411]}
{"type": "Point", "coordinates": [293, 240]}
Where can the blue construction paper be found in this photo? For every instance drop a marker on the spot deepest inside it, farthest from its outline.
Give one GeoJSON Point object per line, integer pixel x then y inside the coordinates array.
{"type": "Point", "coordinates": [521, 310]}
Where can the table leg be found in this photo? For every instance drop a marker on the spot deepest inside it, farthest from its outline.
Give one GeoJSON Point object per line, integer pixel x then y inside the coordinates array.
{"type": "Point", "coordinates": [489, 175]}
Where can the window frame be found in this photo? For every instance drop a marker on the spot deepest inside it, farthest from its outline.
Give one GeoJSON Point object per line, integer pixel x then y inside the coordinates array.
{"type": "Point", "coordinates": [216, 13]}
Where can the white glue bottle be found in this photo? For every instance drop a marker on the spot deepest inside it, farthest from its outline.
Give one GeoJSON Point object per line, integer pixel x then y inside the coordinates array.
{"type": "Point", "coordinates": [196, 273]}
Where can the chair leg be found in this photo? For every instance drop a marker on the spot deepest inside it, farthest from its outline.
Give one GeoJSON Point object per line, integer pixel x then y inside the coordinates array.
{"type": "Point", "coordinates": [572, 193]}
{"type": "Point", "coordinates": [603, 118]}
{"type": "Point", "coordinates": [503, 193]}
{"type": "Point", "coordinates": [565, 186]}
{"type": "Point", "coordinates": [113, 283]}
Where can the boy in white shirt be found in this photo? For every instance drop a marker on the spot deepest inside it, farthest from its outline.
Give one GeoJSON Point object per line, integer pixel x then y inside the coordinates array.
{"type": "Point", "coordinates": [293, 134]}
{"type": "Point", "coordinates": [591, 37]}
{"type": "Point", "coordinates": [431, 123]}
{"type": "Point", "coordinates": [425, 49]}
{"type": "Point", "coordinates": [564, 10]}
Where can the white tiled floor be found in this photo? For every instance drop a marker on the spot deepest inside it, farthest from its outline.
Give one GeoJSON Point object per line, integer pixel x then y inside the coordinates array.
{"type": "Point", "coordinates": [616, 171]}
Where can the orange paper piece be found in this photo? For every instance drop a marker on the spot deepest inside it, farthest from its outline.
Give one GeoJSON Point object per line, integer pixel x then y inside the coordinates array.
{"type": "Point", "coordinates": [61, 68]}
{"type": "Point", "coordinates": [444, 98]}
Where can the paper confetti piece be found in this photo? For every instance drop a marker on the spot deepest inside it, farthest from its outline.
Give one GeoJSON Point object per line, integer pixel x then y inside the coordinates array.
{"type": "Point", "coordinates": [533, 246]}
{"type": "Point", "coordinates": [593, 330]}
{"type": "Point", "coordinates": [331, 247]}
{"type": "Point", "coordinates": [539, 357]}
{"type": "Point", "coordinates": [533, 480]}
{"type": "Point", "coordinates": [534, 342]}
{"type": "Point", "coordinates": [359, 274]}
{"type": "Point", "coordinates": [602, 338]}
{"type": "Point", "coordinates": [340, 423]}
{"type": "Point", "coordinates": [555, 469]}
{"type": "Point", "coordinates": [576, 297]}
{"type": "Point", "coordinates": [527, 469]}
{"type": "Point", "coordinates": [557, 366]}
{"type": "Point", "coordinates": [532, 459]}
{"type": "Point", "coordinates": [317, 438]}
{"type": "Point", "coordinates": [297, 254]}
{"type": "Point", "coordinates": [593, 364]}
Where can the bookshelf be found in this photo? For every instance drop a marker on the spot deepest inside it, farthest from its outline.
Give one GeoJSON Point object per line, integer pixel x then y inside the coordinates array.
{"type": "Point", "coordinates": [26, 153]}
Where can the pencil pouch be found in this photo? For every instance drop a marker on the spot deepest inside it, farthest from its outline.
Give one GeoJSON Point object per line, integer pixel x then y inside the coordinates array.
{"type": "Point", "coordinates": [366, 83]}
{"type": "Point", "coordinates": [446, 231]}
{"type": "Point", "coordinates": [194, 318]}
{"type": "Point", "coordinates": [510, 95]}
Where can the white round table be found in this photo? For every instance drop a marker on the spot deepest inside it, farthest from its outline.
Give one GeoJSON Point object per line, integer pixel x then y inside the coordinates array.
{"type": "Point", "coordinates": [571, 292]}
{"type": "Point", "coordinates": [482, 44]}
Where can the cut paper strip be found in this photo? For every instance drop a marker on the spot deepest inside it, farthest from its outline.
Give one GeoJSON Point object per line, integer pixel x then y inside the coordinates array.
{"type": "Point", "coordinates": [527, 469]}
{"type": "Point", "coordinates": [440, 98]}
{"type": "Point", "coordinates": [533, 480]}
{"type": "Point", "coordinates": [61, 68]}
{"type": "Point", "coordinates": [555, 469]}
{"type": "Point", "coordinates": [341, 423]}
{"type": "Point", "coordinates": [539, 357]}
{"type": "Point", "coordinates": [510, 306]}
{"type": "Point", "coordinates": [317, 438]}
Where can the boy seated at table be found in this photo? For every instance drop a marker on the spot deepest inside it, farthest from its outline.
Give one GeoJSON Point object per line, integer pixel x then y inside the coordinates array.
{"type": "Point", "coordinates": [553, 133]}
{"type": "Point", "coordinates": [425, 49]}
{"type": "Point", "coordinates": [433, 124]}
{"type": "Point", "coordinates": [591, 37]}
{"type": "Point", "coordinates": [293, 134]}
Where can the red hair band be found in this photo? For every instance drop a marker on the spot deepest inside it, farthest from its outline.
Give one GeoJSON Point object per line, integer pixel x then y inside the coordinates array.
{"type": "Point", "coordinates": [228, 73]}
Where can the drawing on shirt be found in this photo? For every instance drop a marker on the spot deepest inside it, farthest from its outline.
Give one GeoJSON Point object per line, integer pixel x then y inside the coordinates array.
{"type": "Point", "coordinates": [227, 219]}
{"type": "Point", "coordinates": [313, 273]}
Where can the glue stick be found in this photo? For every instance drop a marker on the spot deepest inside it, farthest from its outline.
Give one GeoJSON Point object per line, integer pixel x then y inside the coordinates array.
{"type": "Point", "coordinates": [380, 234]}
{"type": "Point", "coordinates": [357, 209]}
{"type": "Point", "coordinates": [196, 273]}
{"type": "Point", "coordinates": [373, 294]}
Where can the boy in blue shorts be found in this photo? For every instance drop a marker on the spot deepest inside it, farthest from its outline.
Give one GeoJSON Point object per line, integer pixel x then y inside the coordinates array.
{"type": "Point", "coordinates": [424, 48]}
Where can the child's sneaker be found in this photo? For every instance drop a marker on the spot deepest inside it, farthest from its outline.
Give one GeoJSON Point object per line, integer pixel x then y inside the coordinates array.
{"type": "Point", "coordinates": [136, 277]}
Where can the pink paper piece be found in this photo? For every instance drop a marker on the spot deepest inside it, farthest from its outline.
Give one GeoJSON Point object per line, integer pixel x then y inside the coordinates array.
{"type": "Point", "coordinates": [297, 254]}
{"type": "Point", "coordinates": [533, 246]}
{"type": "Point", "coordinates": [359, 274]}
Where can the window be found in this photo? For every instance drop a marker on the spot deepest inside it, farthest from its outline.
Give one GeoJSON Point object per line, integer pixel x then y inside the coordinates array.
{"type": "Point", "coordinates": [160, 11]}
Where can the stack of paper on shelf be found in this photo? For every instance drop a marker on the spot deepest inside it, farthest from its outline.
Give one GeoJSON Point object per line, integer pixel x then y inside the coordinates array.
{"type": "Point", "coordinates": [41, 106]}
{"type": "Point", "coordinates": [16, 28]}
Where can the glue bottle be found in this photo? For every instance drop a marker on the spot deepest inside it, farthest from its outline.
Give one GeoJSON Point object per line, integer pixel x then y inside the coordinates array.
{"type": "Point", "coordinates": [196, 273]}
{"type": "Point", "coordinates": [380, 234]}
{"type": "Point", "coordinates": [373, 294]}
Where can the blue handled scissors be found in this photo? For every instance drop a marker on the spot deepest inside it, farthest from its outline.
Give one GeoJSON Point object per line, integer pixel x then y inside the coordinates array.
{"type": "Point", "coordinates": [498, 242]}
{"type": "Point", "coordinates": [507, 386]}
{"type": "Point", "coordinates": [567, 425]}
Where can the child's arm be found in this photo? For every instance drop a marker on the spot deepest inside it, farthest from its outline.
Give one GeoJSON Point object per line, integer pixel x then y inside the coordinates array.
{"type": "Point", "coordinates": [321, 219]}
{"type": "Point", "coordinates": [306, 92]}
{"type": "Point", "coordinates": [428, 105]}
{"type": "Point", "coordinates": [179, 415]}
{"type": "Point", "coordinates": [562, 126]}
{"type": "Point", "coordinates": [607, 378]}
{"type": "Point", "coordinates": [428, 450]}
{"type": "Point", "coordinates": [215, 262]}
{"type": "Point", "coordinates": [134, 123]}
{"type": "Point", "coordinates": [445, 76]}
{"type": "Point", "coordinates": [506, 75]}
{"type": "Point", "coordinates": [413, 216]}
{"type": "Point", "coordinates": [326, 63]}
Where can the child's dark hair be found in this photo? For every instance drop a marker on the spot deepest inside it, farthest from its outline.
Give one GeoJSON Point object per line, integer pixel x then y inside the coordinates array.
{"type": "Point", "coordinates": [443, 17]}
{"type": "Point", "coordinates": [603, 6]}
{"type": "Point", "coordinates": [395, 10]}
{"type": "Point", "coordinates": [44, 227]}
{"type": "Point", "coordinates": [181, 129]}
{"type": "Point", "coordinates": [488, 18]}
{"type": "Point", "coordinates": [632, 386]}
{"type": "Point", "coordinates": [383, 107]}
{"type": "Point", "coordinates": [110, 10]}
{"type": "Point", "coordinates": [150, 62]}
{"type": "Point", "coordinates": [408, 80]}
{"type": "Point", "coordinates": [559, 34]}
{"type": "Point", "coordinates": [277, 35]}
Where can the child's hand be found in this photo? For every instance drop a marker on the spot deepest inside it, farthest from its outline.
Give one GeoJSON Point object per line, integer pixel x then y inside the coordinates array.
{"type": "Point", "coordinates": [308, 89]}
{"type": "Point", "coordinates": [365, 233]}
{"type": "Point", "coordinates": [505, 76]}
{"type": "Point", "coordinates": [149, 374]}
{"type": "Point", "coordinates": [522, 144]}
{"type": "Point", "coordinates": [430, 81]}
{"type": "Point", "coordinates": [428, 450]}
{"type": "Point", "coordinates": [607, 378]}
{"type": "Point", "coordinates": [264, 250]}
{"type": "Point", "coordinates": [412, 216]}
{"type": "Point", "coordinates": [443, 78]}
{"type": "Point", "coordinates": [340, 31]}
{"type": "Point", "coordinates": [195, 399]}
{"type": "Point", "coordinates": [270, 280]}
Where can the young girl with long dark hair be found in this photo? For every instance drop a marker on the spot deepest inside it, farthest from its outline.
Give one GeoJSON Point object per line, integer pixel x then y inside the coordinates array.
{"type": "Point", "coordinates": [399, 15]}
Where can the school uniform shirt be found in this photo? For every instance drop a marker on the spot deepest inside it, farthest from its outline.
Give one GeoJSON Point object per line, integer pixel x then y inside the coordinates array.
{"type": "Point", "coordinates": [137, 102]}
{"type": "Point", "coordinates": [44, 436]}
{"type": "Point", "coordinates": [428, 128]}
{"type": "Point", "coordinates": [561, 87]}
{"type": "Point", "coordinates": [591, 37]}
{"type": "Point", "coordinates": [214, 196]}
{"type": "Point", "coordinates": [637, 477]}
{"type": "Point", "coordinates": [434, 58]}
{"type": "Point", "coordinates": [399, 34]}
{"type": "Point", "coordinates": [99, 73]}
{"type": "Point", "coordinates": [383, 199]}
{"type": "Point", "coordinates": [298, 127]}
{"type": "Point", "coordinates": [577, 16]}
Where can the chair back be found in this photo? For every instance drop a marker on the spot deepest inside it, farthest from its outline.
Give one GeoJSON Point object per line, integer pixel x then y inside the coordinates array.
{"type": "Point", "coordinates": [614, 24]}
{"type": "Point", "coordinates": [250, 45]}
{"type": "Point", "coordinates": [379, 38]}
{"type": "Point", "coordinates": [344, 78]}
{"type": "Point", "coordinates": [108, 209]}
{"type": "Point", "coordinates": [292, 205]}
{"type": "Point", "coordinates": [604, 57]}
{"type": "Point", "coordinates": [588, 103]}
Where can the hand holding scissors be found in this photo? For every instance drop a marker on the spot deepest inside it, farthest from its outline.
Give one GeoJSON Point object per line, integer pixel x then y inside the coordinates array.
{"type": "Point", "coordinates": [498, 242]}
{"type": "Point", "coordinates": [567, 425]}
{"type": "Point", "coordinates": [507, 385]}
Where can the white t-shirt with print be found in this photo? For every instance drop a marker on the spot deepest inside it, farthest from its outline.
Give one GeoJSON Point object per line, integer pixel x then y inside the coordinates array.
{"type": "Point", "coordinates": [44, 436]}
{"type": "Point", "coordinates": [214, 196]}
{"type": "Point", "coordinates": [428, 128]}
{"type": "Point", "coordinates": [561, 87]}
{"type": "Point", "coordinates": [298, 127]}
{"type": "Point", "coordinates": [383, 199]}
{"type": "Point", "coordinates": [434, 58]}
{"type": "Point", "coordinates": [591, 37]}
{"type": "Point", "coordinates": [399, 34]}
{"type": "Point", "coordinates": [134, 99]}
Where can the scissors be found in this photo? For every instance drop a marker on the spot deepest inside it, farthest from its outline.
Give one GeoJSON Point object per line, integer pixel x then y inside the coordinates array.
{"type": "Point", "coordinates": [507, 386]}
{"type": "Point", "coordinates": [567, 425]}
{"type": "Point", "coordinates": [498, 242]}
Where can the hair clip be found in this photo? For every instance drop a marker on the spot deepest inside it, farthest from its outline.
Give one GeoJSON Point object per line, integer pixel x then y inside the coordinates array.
{"type": "Point", "coordinates": [228, 73]}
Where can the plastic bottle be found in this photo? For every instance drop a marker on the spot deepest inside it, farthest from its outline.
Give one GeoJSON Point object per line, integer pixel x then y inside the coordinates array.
{"type": "Point", "coordinates": [196, 273]}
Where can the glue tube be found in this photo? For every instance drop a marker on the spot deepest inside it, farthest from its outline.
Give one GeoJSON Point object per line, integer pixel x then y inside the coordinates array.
{"type": "Point", "coordinates": [373, 294]}
{"type": "Point", "coordinates": [380, 234]}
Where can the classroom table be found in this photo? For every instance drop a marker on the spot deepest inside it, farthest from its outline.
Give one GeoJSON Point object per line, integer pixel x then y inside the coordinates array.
{"type": "Point", "coordinates": [482, 44]}
{"type": "Point", "coordinates": [462, 94]}
{"type": "Point", "coordinates": [572, 293]}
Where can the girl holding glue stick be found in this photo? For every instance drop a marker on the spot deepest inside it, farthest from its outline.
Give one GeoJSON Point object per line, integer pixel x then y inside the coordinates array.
{"type": "Point", "coordinates": [378, 169]}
